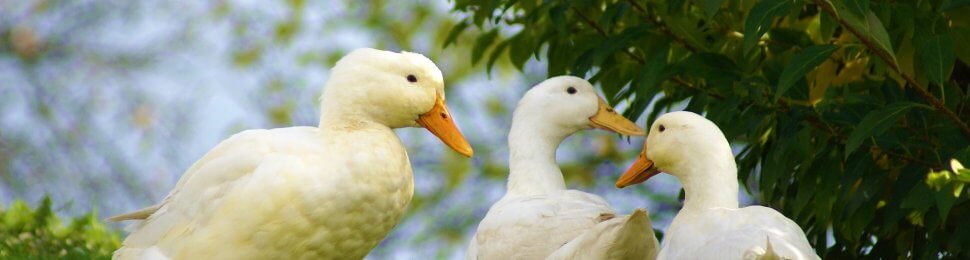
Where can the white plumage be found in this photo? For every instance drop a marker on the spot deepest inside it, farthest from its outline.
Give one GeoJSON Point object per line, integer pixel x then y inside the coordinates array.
{"type": "Point", "coordinates": [327, 192]}
{"type": "Point", "coordinates": [538, 217]}
{"type": "Point", "coordinates": [711, 225]}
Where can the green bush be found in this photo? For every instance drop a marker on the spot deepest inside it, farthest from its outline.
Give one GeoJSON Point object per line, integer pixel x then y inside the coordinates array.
{"type": "Point", "coordinates": [27, 233]}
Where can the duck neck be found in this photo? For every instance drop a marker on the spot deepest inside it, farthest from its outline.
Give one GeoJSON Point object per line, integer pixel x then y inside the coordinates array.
{"type": "Point", "coordinates": [532, 157]}
{"type": "Point", "coordinates": [336, 114]}
{"type": "Point", "coordinates": [710, 184]}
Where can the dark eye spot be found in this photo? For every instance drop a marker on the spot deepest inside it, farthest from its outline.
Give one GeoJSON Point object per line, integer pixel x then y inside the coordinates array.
{"type": "Point", "coordinates": [661, 128]}
{"type": "Point", "coordinates": [571, 90]}
{"type": "Point", "coordinates": [412, 78]}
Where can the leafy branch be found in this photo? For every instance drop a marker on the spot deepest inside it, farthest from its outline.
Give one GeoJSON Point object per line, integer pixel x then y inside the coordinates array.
{"type": "Point", "coordinates": [661, 26]}
{"type": "Point", "coordinates": [784, 103]}
{"type": "Point", "coordinates": [641, 61]}
{"type": "Point", "coordinates": [886, 57]}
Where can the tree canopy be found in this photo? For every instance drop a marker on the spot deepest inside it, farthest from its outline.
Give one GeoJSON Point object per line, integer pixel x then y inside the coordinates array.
{"type": "Point", "coordinates": [852, 114]}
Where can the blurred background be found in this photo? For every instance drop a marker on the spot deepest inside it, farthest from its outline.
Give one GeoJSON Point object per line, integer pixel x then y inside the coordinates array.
{"type": "Point", "coordinates": [103, 105]}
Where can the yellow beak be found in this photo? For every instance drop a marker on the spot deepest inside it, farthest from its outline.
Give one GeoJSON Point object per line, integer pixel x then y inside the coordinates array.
{"type": "Point", "coordinates": [438, 121]}
{"type": "Point", "coordinates": [606, 118]}
{"type": "Point", "coordinates": [641, 170]}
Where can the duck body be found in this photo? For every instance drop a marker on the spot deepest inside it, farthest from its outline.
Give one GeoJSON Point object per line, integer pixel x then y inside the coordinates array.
{"type": "Point", "coordinates": [739, 233]}
{"type": "Point", "coordinates": [538, 216]}
{"type": "Point", "coordinates": [327, 192]}
{"type": "Point", "coordinates": [535, 226]}
{"type": "Point", "coordinates": [272, 194]}
{"type": "Point", "coordinates": [629, 237]}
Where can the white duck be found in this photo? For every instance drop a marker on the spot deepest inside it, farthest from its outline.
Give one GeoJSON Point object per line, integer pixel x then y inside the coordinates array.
{"type": "Point", "coordinates": [327, 192]}
{"type": "Point", "coordinates": [538, 217]}
{"type": "Point", "coordinates": [710, 225]}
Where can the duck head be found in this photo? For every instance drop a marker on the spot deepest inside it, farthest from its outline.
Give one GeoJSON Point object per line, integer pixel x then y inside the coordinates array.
{"type": "Point", "coordinates": [395, 89]}
{"type": "Point", "coordinates": [567, 104]}
{"type": "Point", "coordinates": [679, 143]}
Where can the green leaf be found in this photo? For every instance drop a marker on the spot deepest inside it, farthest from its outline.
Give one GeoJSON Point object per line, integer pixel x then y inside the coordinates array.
{"type": "Point", "coordinates": [521, 49]}
{"type": "Point", "coordinates": [872, 30]}
{"type": "Point", "coordinates": [936, 57]}
{"type": "Point", "coordinates": [759, 20]}
{"type": "Point", "coordinates": [875, 123]}
{"type": "Point", "coordinates": [961, 34]}
{"type": "Point", "coordinates": [716, 69]}
{"type": "Point", "coordinates": [612, 14]}
{"type": "Point", "coordinates": [784, 39]}
{"type": "Point", "coordinates": [827, 26]}
{"type": "Point", "coordinates": [955, 4]}
{"type": "Point", "coordinates": [558, 16]}
{"type": "Point", "coordinates": [858, 7]}
{"type": "Point", "coordinates": [801, 64]}
{"type": "Point", "coordinates": [650, 76]}
{"type": "Point", "coordinates": [686, 28]}
{"type": "Point", "coordinates": [482, 44]}
{"type": "Point", "coordinates": [945, 199]}
{"type": "Point", "coordinates": [454, 33]}
{"type": "Point", "coordinates": [496, 52]}
{"type": "Point", "coordinates": [879, 34]}
{"type": "Point", "coordinates": [711, 7]}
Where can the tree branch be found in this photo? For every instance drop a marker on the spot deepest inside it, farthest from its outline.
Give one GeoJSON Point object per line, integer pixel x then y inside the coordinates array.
{"type": "Point", "coordinates": [602, 32]}
{"type": "Point", "coordinates": [632, 55]}
{"type": "Point", "coordinates": [661, 26]}
{"type": "Point", "coordinates": [884, 55]}
{"type": "Point", "coordinates": [784, 106]}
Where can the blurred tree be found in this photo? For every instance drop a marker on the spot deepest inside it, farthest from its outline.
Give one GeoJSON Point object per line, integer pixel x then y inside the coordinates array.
{"type": "Point", "coordinates": [848, 112]}
{"type": "Point", "coordinates": [64, 91]}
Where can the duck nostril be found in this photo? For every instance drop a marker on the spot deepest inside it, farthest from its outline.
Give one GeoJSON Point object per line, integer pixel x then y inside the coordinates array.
{"type": "Point", "coordinates": [609, 110]}
{"type": "Point", "coordinates": [444, 116]}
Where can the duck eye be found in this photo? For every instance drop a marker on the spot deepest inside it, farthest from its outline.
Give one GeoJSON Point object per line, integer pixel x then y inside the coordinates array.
{"type": "Point", "coordinates": [412, 78]}
{"type": "Point", "coordinates": [661, 128]}
{"type": "Point", "coordinates": [571, 90]}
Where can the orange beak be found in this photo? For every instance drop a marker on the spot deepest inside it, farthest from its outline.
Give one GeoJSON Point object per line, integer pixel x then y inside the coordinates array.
{"type": "Point", "coordinates": [641, 170]}
{"type": "Point", "coordinates": [438, 121]}
{"type": "Point", "coordinates": [606, 118]}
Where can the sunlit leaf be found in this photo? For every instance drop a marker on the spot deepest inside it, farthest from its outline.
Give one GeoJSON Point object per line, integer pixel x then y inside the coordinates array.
{"type": "Point", "coordinates": [827, 26]}
{"type": "Point", "coordinates": [801, 64]}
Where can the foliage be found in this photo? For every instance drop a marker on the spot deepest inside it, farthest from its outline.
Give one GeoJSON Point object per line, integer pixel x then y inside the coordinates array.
{"type": "Point", "coordinates": [843, 108]}
{"type": "Point", "coordinates": [40, 234]}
